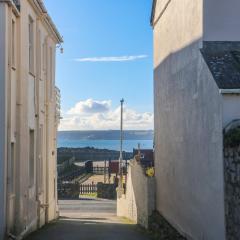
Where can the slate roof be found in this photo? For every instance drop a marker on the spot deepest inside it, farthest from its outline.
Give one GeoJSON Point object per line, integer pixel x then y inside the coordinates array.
{"type": "Point", "coordinates": [223, 60]}
{"type": "Point", "coordinates": [154, 2]}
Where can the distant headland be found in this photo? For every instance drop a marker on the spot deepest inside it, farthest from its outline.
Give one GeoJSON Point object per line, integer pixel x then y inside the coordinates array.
{"type": "Point", "coordinates": [106, 135]}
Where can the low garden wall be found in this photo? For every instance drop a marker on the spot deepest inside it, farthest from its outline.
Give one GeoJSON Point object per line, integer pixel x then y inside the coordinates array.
{"type": "Point", "coordinates": [138, 203]}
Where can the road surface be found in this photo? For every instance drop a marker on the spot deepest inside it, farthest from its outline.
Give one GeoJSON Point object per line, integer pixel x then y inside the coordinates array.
{"type": "Point", "coordinates": [91, 219]}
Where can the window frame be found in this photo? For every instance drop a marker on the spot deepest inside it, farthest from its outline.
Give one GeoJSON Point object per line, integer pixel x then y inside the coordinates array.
{"type": "Point", "coordinates": [13, 44]}
{"type": "Point", "coordinates": [31, 158]}
{"type": "Point", "coordinates": [31, 60]}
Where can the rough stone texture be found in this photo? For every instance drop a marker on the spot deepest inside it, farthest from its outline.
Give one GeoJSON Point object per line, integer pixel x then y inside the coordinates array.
{"type": "Point", "coordinates": [139, 201]}
{"type": "Point", "coordinates": [223, 60]}
{"type": "Point", "coordinates": [232, 182]}
{"type": "Point", "coordinates": [68, 190]}
{"type": "Point", "coordinates": [106, 191]}
{"type": "Point", "coordinates": [161, 229]}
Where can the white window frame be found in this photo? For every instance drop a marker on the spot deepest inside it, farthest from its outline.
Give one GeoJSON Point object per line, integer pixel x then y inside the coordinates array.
{"type": "Point", "coordinates": [31, 44]}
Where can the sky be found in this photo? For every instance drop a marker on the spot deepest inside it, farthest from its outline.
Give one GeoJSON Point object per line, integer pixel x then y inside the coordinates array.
{"type": "Point", "coordinates": [107, 56]}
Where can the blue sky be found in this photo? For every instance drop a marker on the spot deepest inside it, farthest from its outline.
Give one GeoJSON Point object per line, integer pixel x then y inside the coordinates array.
{"type": "Point", "coordinates": [107, 56]}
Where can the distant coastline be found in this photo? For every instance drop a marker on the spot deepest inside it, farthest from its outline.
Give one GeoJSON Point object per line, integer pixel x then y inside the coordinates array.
{"type": "Point", "coordinates": [89, 153]}
{"type": "Point", "coordinates": [105, 139]}
{"type": "Point", "coordinates": [106, 135]}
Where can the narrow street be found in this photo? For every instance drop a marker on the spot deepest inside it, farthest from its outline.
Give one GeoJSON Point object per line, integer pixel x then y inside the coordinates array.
{"type": "Point", "coordinates": [89, 219]}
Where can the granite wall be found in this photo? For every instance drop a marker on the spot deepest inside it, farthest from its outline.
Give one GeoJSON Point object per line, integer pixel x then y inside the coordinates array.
{"type": "Point", "coordinates": [232, 180]}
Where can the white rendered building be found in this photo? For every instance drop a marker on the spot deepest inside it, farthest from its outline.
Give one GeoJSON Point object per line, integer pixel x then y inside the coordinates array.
{"type": "Point", "coordinates": [28, 122]}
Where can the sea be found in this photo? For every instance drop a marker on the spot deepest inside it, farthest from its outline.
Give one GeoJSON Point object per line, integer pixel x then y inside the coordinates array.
{"type": "Point", "coordinates": [128, 145]}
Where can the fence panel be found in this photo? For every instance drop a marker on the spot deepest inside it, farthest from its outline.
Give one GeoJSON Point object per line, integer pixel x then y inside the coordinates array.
{"type": "Point", "coordinates": [87, 188]}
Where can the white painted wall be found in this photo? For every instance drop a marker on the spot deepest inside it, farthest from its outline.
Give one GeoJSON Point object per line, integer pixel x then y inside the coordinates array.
{"type": "Point", "coordinates": [221, 20]}
{"type": "Point", "coordinates": [139, 201]}
{"type": "Point", "coordinates": [3, 115]}
{"type": "Point", "coordinates": [25, 105]}
{"type": "Point", "coordinates": [231, 108]}
{"type": "Point", "coordinates": [188, 126]}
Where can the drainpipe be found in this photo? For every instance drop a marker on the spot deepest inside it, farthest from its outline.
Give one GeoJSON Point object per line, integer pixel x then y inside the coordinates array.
{"type": "Point", "coordinates": [47, 164]}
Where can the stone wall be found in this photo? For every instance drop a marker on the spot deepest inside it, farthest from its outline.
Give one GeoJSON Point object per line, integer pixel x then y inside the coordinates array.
{"type": "Point", "coordinates": [106, 191]}
{"type": "Point", "coordinates": [139, 201]}
{"type": "Point", "coordinates": [232, 180]}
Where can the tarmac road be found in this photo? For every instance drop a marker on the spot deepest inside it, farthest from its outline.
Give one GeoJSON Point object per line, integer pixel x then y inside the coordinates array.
{"type": "Point", "coordinates": [90, 219]}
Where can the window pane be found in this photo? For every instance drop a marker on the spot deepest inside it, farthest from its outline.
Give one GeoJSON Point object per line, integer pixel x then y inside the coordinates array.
{"type": "Point", "coordinates": [31, 158]}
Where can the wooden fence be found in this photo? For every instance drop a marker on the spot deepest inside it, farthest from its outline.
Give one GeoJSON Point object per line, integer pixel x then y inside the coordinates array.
{"type": "Point", "coordinates": [87, 188]}
{"type": "Point", "coordinates": [73, 190]}
{"type": "Point", "coordinates": [99, 170]}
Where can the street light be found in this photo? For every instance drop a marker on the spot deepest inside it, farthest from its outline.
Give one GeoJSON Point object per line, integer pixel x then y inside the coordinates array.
{"type": "Point", "coordinates": [121, 147]}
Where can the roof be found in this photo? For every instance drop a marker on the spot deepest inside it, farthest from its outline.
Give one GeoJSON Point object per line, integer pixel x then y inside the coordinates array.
{"type": "Point", "coordinates": [223, 60]}
{"type": "Point", "coordinates": [153, 11]}
{"type": "Point", "coordinates": [40, 5]}
{"type": "Point", "coordinates": [49, 21]}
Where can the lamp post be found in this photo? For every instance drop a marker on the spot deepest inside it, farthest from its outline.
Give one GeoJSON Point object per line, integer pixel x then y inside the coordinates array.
{"type": "Point", "coordinates": [121, 147]}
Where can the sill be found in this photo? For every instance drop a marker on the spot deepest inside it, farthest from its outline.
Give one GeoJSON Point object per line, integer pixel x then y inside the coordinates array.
{"type": "Point", "coordinates": [12, 195]}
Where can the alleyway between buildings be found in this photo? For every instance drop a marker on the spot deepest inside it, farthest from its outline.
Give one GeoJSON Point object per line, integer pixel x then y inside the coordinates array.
{"type": "Point", "coordinates": [89, 219]}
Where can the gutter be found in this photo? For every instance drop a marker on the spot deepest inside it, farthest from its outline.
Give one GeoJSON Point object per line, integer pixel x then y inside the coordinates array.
{"type": "Point", "coordinates": [12, 4]}
{"type": "Point", "coordinates": [229, 91]}
{"type": "Point", "coordinates": [49, 20]}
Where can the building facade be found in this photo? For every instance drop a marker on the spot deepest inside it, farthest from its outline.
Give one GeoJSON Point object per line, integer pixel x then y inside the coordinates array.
{"type": "Point", "coordinates": [28, 117]}
{"type": "Point", "coordinates": [196, 95]}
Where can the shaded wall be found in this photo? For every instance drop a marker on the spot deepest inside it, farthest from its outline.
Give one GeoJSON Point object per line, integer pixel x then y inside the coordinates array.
{"type": "Point", "coordinates": [221, 20]}
{"type": "Point", "coordinates": [188, 126]}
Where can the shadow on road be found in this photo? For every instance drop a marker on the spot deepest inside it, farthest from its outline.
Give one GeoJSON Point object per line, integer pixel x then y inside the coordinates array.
{"type": "Point", "coordinates": [82, 229]}
{"type": "Point", "coordinates": [89, 220]}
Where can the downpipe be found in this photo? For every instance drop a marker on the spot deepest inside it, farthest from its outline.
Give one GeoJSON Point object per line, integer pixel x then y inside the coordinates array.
{"type": "Point", "coordinates": [40, 206]}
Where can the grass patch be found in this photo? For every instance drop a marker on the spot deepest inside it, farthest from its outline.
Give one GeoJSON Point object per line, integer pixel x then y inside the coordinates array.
{"type": "Point", "coordinates": [127, 220]}
{"type": "Point", "coordinates": [92, 195]}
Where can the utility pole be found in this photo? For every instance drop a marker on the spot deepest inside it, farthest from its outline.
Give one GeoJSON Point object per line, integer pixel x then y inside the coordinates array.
{"type": "Point", "coordinates": [121, 148]}
{"type": "Point", "coordinates": [105, 171]}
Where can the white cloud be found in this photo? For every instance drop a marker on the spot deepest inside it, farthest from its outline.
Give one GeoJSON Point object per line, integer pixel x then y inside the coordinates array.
{"type": "Point", "coordinates": [111, 59]}
{"type": "Point", "coordinates": [90, 106]}
{"type": "Point", "coordinates": [98, 115]}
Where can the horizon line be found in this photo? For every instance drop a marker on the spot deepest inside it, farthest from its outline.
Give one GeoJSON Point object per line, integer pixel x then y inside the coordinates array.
{"type": "Point", "coordinates": [75, 130]}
